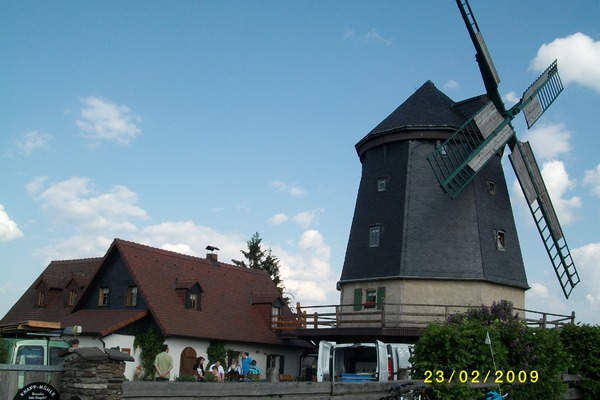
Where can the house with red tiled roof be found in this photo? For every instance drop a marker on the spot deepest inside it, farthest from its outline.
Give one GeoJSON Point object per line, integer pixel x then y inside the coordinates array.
{"type": "Point", "coordinates": [191, 301]}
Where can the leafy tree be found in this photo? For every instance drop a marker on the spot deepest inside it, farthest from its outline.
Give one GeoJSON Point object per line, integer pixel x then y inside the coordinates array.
{"type": "Point", "coordinates": [258, 259]}
{"type": "Point", "coordinates": [150, 343]}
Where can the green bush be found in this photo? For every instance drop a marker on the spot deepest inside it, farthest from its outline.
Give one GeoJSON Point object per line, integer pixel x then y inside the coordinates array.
{"type": "Point", "coordinates": [217, 352]}
{"type": "Point", "coordinates": [186, 378]}
{"type": "Point", "coordinates": [150, 343]}
{"type": "Point", "coordinates": [582, 342]}
{"type": "Point", "coordinates": [3, 351]}
{"type": "Point", "coordinates": [458, 349]}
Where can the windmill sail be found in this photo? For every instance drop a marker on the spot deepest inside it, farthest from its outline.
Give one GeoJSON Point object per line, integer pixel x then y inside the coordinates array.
{"type": "Point", "coordinates": [457, 160]}
{"type": "Point", "coordinates": [541, 94]}
{"type": "Point", "coordinates": [540, 205]}
{"type": "Point", "coordinates": [486, 66]}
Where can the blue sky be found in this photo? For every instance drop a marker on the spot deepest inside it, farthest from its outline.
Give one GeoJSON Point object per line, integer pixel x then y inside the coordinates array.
{"type": "Point", "coordinates": [188, 123]}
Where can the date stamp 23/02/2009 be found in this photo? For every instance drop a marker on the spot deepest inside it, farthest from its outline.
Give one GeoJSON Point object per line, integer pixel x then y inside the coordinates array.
{"type": "Point", "coordinates": [498, 376]}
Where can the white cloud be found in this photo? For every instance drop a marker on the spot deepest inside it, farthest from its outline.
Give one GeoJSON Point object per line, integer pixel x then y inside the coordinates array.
{"type": "Point", "coordinates": [451, 85]}
{"type": "Point", "coordinates": [587, 259]}
{"type": "Point", "coordinates": [592, 179]}
{"type": "Point", "coordinates": [31, 141]}
{"type": "Point", "coordinates": [278, 219]}
{"type": "Point", "coordinates": [292, 190]}
{"type": "Point", "coordinates": [307, 273]}
{"type": "Point", "coordinates": [373, 37]}
{"type": "Point", "coordinates": [188, 238]}
{"type": "Point", "coordinates": [558, 184]}
{"type": "Point", "coordinates": [549, 141]}
{"type": "Point", "coordinates": [307, 218]}
{"type": "Point", "coordinates": [74, 203]}
{"type": "Point", "coordinates": [511, 98]}
{"type": "Point", "coordinates": [578, 58]}
{"type": "Point", "coordinates": [538, 290]}
{"type": "Point", "coordinates": [8, 228]}
{"type": "Point", "coordinates": [101, 120]}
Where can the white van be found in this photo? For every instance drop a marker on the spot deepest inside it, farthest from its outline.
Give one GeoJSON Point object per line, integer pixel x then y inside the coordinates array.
{"type": "Point", "coordinates": [362, 362]}
{"type": "Point", "coordinates": [35, 351]}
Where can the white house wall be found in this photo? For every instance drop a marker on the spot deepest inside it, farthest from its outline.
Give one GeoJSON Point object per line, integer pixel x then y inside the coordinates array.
{"type": "Point", "coordinates": [177, 345]}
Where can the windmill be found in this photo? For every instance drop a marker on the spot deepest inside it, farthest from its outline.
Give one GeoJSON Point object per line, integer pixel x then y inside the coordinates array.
{"type": "Point", "coordinates": [458, 160]}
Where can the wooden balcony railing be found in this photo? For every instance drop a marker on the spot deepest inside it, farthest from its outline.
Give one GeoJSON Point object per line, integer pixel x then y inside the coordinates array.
{"type": "Point", "coordinates": [393, 315]}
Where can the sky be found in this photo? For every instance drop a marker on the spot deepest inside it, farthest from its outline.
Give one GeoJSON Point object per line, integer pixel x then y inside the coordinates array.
{"type": "Point", "coordinates": [191, 123]}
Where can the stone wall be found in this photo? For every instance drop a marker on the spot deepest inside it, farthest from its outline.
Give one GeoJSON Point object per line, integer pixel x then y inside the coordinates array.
{"type": "Point", "coordinates": [93, 374]}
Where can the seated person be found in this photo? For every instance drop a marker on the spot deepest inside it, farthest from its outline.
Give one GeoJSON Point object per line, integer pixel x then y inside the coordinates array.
{"type": "Point", "coordinates": [235, 370]}
{"type": "Point", "coordinates": [218, 371]}
{"type": "Point", "coordinates": [254, 371]}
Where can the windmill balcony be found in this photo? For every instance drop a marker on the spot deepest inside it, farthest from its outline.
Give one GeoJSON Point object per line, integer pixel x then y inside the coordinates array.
{"type": "Point", "coordinates": [397, 315]}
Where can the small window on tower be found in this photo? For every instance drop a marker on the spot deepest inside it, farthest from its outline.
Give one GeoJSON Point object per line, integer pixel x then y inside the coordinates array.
{"type": "Point", "coordinates": [491, 185]}
{"type": "Point", "coordinates": [374, 236]}
{"type": "Point", "coordinates": [443, 149]}
{"type": "Point", "coordinates": [500, 240]}
{"type": "Point", "coordinates": [371, 297]}
{"type": "Point", "coordinates": [382, 184]}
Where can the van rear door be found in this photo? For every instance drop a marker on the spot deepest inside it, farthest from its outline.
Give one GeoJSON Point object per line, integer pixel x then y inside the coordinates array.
{"type": "Point", "coordinates": [402, 356]}
{"type": "Point", "coordinates": [382, 361]}
{"type": "Point", "coordinates": [324, 361]}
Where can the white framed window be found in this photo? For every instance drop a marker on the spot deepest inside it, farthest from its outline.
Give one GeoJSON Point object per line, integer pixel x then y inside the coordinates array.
{"type": "Point", "coordinates": [501, 240]}
{"type": "Point", "coordinates": [103, 296]}
{"type": "Point", "coordinates": [371, 298]}
{"type": "Point", "coordinates": [374, 236]}
{"type": "Point", "coordinates": [193, 301]}
{"type": "Point", "coordinates": [382, 184]}
{"type": "Point", "coordinates": [132, 293]}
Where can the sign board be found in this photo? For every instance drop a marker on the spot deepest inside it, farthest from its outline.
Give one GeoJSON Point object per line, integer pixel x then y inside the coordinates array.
{"type": "Point", "coordinates": [37, 391]}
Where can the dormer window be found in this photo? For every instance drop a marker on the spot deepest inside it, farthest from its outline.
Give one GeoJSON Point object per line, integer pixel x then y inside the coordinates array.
{"type": "Point", "coordinates": [193, 301]}
{"type": "Point", "coordinates": [41, 298]}
{"type": "Point", "coordinates": [72, 297]}
{"type": "Point", "coordinates": [194, 298]}
{"type": "Point", "coordinates": [276, 308]}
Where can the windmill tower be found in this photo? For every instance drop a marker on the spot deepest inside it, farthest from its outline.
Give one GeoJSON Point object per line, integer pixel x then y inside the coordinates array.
{"type": "Point", "coordinates": [412, 242]}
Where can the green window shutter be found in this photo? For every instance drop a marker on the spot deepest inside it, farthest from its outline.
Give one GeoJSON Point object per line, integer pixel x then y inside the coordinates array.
{"type": "Point", "coordinates": [380, 297]}
{"type": "Point", "coordinates": [358, 299]}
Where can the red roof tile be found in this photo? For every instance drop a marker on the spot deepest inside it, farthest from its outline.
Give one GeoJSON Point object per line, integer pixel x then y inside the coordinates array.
{"type": "Point", "coordinates": [55, 300]}
{"type": "Point", "coordinates": [235, 303]}
{"type": "Point", "coordinates": [226, 310]}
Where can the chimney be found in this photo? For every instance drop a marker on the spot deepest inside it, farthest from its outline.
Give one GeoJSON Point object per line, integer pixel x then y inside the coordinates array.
{"type": "Point", "coordinates": [211, 255]}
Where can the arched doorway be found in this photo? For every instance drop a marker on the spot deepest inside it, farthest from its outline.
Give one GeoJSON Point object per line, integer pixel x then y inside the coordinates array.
{"type": "Point", "coordinates": [186, 362]}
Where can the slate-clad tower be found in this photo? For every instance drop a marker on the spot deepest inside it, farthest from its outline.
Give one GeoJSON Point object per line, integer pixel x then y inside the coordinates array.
{"type": "Point", "coordinates": [410, 242]}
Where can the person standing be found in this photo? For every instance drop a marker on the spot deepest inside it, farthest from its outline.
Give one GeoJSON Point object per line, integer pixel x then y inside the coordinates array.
{"type": "Point", "coordinates": [163, 363]}
{"type": "Point", "coordinates": [246, 363]}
